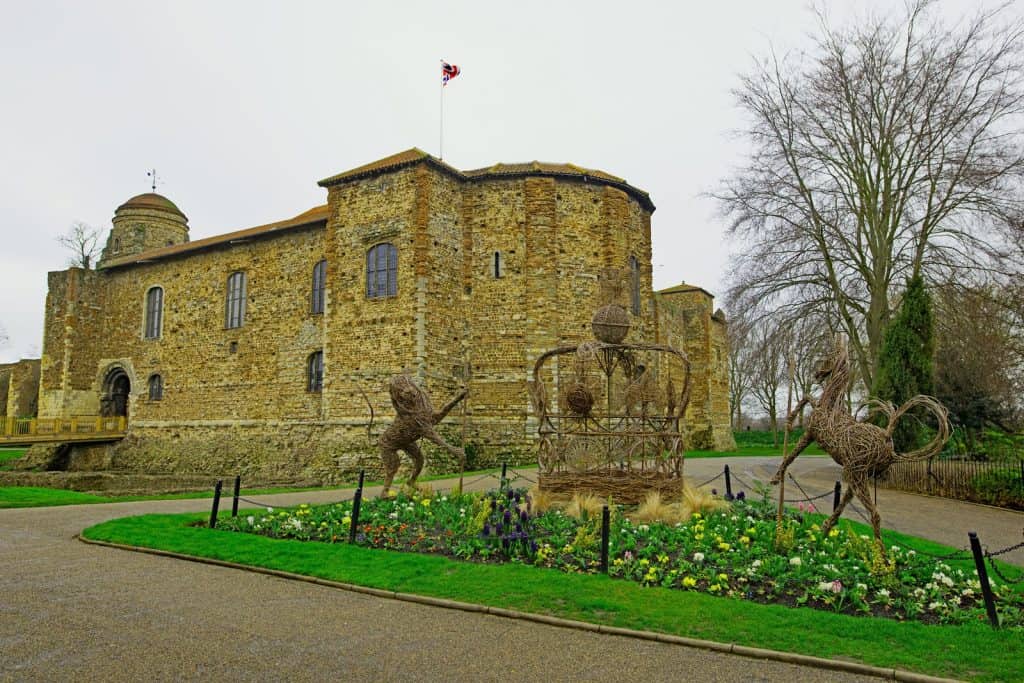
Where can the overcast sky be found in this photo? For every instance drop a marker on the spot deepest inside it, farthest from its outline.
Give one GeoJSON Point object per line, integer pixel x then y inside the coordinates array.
{"type": "Point", "coordinates": [242, 106]}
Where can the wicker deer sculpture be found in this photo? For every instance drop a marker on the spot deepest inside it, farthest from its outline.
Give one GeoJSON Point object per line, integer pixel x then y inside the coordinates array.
{"type": "Point", "coordinates": [414, 419]}
{"type": "Point", "coordinates": [863, 450]}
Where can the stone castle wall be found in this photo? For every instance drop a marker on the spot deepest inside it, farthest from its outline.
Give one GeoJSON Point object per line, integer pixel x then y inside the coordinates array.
{"type": "Point", "coordinates": [236, 400]}
{"type": "Point", "coordinates": [19, 388]}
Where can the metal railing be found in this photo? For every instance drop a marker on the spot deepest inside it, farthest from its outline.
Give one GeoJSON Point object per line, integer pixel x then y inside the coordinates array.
{"type": "Point", "coordinates": [83, 427]}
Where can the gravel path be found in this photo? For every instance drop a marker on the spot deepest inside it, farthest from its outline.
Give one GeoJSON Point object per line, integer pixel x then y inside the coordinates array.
{"type": "Point", "coordinates": [71, 611]}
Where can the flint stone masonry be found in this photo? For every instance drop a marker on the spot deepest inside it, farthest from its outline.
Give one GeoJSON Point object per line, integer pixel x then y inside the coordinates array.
{"type": "Point", "coordinates": [19, 388]}
{"type": "Point", "coordinates": [236, 400]}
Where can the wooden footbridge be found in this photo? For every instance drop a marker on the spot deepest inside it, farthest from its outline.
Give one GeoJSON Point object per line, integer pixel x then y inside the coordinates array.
{"type": "Point", "coordinates": [27, 431]}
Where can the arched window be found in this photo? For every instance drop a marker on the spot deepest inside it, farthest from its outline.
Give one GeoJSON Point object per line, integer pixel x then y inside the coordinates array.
{"type": "Point", "coordinates": [634, 284]}
{"type": "Point", "coordinates": [154, 312]}
{"type": "Point", "coordinates": [319, 285]}
{"type": "Point", "coordinates": [381, 271]}
{"type": "Point", "coordinates": [234, 309]}
{"type": "Point", "coordinates": [315, 372]}
{"type": "Point", "coordinates": [156, 387]}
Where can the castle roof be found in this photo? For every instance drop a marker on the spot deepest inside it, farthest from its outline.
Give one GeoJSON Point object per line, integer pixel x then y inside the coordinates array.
{"type": "Point", "coordinates": [316, 215]}
{"type": "Point", "coordinates": [683, 288]}
{"type": "Point", "coordinates": [152, 201]}
{"type": "Point", "coordinates": [411, 157]}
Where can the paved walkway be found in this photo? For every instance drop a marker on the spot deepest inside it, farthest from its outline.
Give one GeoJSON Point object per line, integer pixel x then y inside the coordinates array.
{"type": "Point", "coordinates": [71, 611]}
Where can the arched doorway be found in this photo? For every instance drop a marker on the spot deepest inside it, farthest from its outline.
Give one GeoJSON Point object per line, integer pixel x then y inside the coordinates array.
{"type": "Point", "coordinates": [116, 388]}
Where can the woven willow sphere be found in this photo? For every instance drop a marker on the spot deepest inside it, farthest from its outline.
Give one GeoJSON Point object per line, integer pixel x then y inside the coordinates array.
{"type": "Point", "coordinates": [611, 324]}
{"type": "Point", "coordinates": [580, 400]}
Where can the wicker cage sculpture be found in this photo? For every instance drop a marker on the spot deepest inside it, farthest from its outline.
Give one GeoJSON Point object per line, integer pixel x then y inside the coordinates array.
{"type": "Point", "coordinates": [610, 418]}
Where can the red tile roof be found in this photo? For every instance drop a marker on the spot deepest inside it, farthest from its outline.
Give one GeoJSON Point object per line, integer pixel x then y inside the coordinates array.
{"type": "Point", "coordinates": [318, 214]}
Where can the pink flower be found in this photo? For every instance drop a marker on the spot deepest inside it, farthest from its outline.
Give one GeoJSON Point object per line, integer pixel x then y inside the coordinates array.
{"type": "Point", "coordinates": [837, 586]}
{"type": "Point", "coordinates": [627, 556]}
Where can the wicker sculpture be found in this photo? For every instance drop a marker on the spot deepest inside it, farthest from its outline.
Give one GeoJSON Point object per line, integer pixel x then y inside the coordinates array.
{"type": "Point", "coordinates": [863, 450]}
{"type": "Point", "coordinates": [414, 419]}
{"type": "Point", "coordinates": [613, 424]}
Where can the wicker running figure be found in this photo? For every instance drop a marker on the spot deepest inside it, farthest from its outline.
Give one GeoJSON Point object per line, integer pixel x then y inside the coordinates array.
{"type": "Point", "coordinates": [414, 419]}
{"type": "Point", "coordinates": [863, 450]}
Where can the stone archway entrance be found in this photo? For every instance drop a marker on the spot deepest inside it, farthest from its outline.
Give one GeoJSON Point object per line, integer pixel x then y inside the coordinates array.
{"type": "Point", "coordinates": [117, 386]}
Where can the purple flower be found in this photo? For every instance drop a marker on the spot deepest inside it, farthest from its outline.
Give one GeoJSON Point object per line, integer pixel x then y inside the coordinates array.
{"type": "Point", "coordinates": [510, 494]}
{"type": "Point", "coordinates": [519, 527]}
{"type": "Point", "coordinates": [518, 497]}
{"type": "Point", "coordinates": [523, 516]}
{"type": "Point", "coordinates": [508, 516]}
{"type": "Point", "coordinates": [487, 529]}
{"type": "Point", "coordinates": [741, 495]}
{"type": "Point", "coordinates": [533, 546]}
{"type": "Point", "coordinates": [714, 492]}
{"type": "Point", "coordinates": [499, 529]}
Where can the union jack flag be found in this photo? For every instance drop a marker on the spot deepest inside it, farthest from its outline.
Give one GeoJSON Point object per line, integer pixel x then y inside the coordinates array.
{"type": "Point", "coordinates": [448, 72]}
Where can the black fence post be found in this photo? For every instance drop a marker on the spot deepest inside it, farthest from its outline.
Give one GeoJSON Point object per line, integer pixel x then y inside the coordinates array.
{"type": "Point", "coordinates": [504, 475]}
{"type": "Point", "coordinates": [234, 500]}
{"type": "Point", "coordinates": [216, 502]}
{"type": "Point", "coordinates": [986, 588]}
{"type": "Point", "coordinates": [605, 523]}
{"type": "Point", "coordinates": [836, 495]}
{"type": "Point", "coordinates": [356, 502]}
{"type": "Point", "coordinates": [728, 484]}
{"type": "Point", "coordinates": [362, 475]}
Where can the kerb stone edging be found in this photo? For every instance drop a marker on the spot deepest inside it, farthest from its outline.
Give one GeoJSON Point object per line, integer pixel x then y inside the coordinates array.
{"type": "Point", "coordinates": [729, 648]}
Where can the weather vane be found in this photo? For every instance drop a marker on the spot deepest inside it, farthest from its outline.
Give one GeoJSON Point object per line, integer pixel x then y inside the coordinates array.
{"type": "Point", "coordinates": [152, 174]}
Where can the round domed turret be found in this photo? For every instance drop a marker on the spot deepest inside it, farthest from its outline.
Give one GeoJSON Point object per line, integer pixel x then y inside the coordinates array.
{"type": "Point", "coordinates": [151, 200]}
{"type": "Point", "coordinates": [143, 223]}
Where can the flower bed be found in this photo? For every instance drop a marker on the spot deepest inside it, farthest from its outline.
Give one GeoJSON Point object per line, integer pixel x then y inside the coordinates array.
{"type": "Point", "coordinates": [731, 553]}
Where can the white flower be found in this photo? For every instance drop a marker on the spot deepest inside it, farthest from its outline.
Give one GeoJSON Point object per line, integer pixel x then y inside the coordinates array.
{"type": "Point", "coordinates": [643, 527]}
{"type": "Point", "coordinates": [698, 557]}
{"type": "Point", "coordinates": [270, 509]}
{"type": "Point", "coordinates": [755, 564]}
{"type": "Point", "coordinates": [934, 606]}
{"type": "Point", "coordinates": [967, 593]}
{"type": "Point", "coordinates": [795, 561]}
{"type": "Point", "coordinates": [882, 593]}
{"type": "Point", "coordinates": [862, 586]}
{"type": "Point", "coordinates": [251, 520]}
{"type": "Point", "coordinates": [393, 515]}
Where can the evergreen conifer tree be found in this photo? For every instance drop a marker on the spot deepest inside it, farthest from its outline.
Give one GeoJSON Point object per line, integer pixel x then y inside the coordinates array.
{"type": "Point", "coordinates": [905, 361]}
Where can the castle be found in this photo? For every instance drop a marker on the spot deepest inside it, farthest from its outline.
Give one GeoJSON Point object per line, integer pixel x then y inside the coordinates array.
{"type": "Point", "coordinates": [258, 351]}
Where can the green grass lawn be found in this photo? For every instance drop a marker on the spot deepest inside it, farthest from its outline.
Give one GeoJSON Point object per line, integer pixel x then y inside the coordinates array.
{"type": "Point", "coordinates": [8, 454]}
{"type": "Point", "coordinates": [973, 651]}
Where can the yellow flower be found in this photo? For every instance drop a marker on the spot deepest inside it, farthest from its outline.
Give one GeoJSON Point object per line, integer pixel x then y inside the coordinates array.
{"type": "Point", "coordinates": [723, 577]}
{"type": "Point", "coordinates": [751, 531]}
{"type": "Point", "coordinates": [346, 520]}
{"type": "Point", "coordinates": [644, 562]}
{"type": "Point", "coordinates": [724, 546]}
{"type": "Point", "coordinates": [426, 502]}
{"type": "Point", "coordinates": [663, 559]}
{"type": "Point", "coordinates": [714, 588]}
{"type": "Point", "coordinates": [696, 515]}
{"type": "Point", "coordinates": [698, 537]}
{"type": "Point", "coordinates": [816, 527]}
{"type": "Point", "coordinates": [833, 533]}
{"type": "Point", "coordinates": [745, 540]}
{"type": "Point", "coordinates": [689, 581]}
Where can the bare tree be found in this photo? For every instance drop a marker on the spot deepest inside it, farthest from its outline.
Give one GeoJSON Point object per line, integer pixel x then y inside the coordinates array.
{"type": "Point", "coordinates": [83, 241]}
{"type": "Point", "coordinates": [979, 358]}
{"type": "Point", "coordinates": [894, 147]}
{"type": "Point", "coordinates": [768, 348]}
{"type": "Point", "coordinates": [741, 373]}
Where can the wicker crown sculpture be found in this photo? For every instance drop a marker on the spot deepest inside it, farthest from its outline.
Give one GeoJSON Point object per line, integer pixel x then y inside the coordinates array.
{"type": "Point", "coordinates": [863, 450]}
{"type": "Point", "coordinates": [610, 416]}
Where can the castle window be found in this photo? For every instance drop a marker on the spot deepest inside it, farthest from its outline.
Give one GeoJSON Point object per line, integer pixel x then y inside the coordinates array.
{"type": "Point", "coordinates": [381, 271]}
{"type": "Point", "coordinates": [234, 309]}
{"type": "Point", "coordinates": [499, 267]}
{"type": "Point", "coordinates": [154, 312]}
{"type": "Point", "coordinates": [156, 387]}
{"type": "Point", "coordinates": [315, 372]}
{"type": "Point", "coordinates": [634, 284]}
{"type": "Point", "coordinates": [319, 285]}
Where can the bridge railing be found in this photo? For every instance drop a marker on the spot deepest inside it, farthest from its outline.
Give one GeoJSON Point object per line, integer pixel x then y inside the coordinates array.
{"type": "Point", "coordinates": [54, 428]}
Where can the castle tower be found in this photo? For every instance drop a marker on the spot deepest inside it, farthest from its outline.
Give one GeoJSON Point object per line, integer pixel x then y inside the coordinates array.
{"type": "Point", "coordinates": [148, 221]}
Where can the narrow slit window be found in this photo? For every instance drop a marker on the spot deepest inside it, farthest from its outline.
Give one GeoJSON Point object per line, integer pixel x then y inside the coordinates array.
{"type": "Point", "coordinates": [154, 312]}
{"type": "Point", "coordinates": [234, 314]}
{"type": "Point", "coordinates": [156, 388]}
{"type": "Point", "coordinates": [499, 267]}
{"type": "Point", "coordinates": [315, 372]}
{"type": "Point", "coordinates": [319, 287]}
{"type": "Point", "coordinates": [634, 284]}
